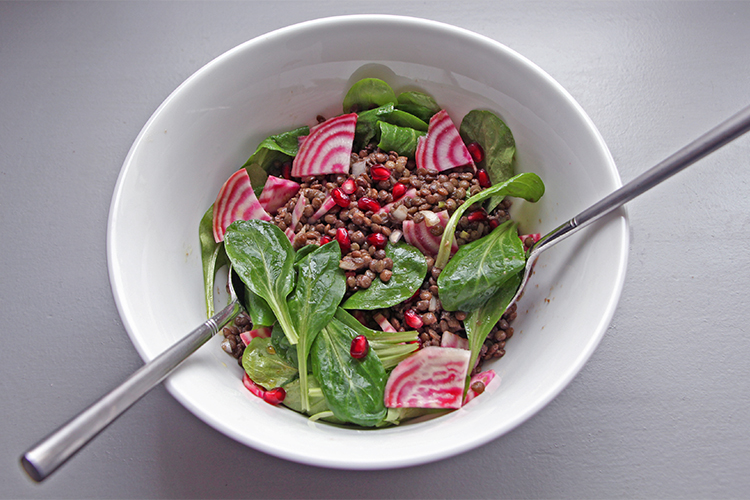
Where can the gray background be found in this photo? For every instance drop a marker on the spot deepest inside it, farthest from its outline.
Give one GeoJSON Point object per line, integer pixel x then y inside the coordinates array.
{"type": "Point", "coordinates": [660, 410]}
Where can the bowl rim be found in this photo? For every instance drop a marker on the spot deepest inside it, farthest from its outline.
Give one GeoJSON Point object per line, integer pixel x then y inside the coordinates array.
{"type": "Point", "coordinates": [393, 462]}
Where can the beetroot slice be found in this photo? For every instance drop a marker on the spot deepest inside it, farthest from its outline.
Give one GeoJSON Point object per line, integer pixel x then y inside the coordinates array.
{"type": "Point", "coordinates": [383, 322]}
{"type": "Point", "coordinates": [420, 236]}
{"type": "Point", "coordinates": [433, 377]}
{"type": "Point", "coordinates": [289, 232]}
{"type": "Point", "coordinates": [411, 193]}
{"type": "Point", "coordinates": [252, 386]}
{"type": "Point", "coordinates": [450, 339]}
{"type": "Point", "coordinates": [299, 207]}
{"type": "Point", "coordinates": [327, 204]}
{"type": "Point", "coordinates": [261, 331]}
{"type": "Point", "coordinates": [442, 148]}
{"type": "Point", "coordinates": [276, 193]}
{"type": "Point", "coordinates": [485, 377]}
{"type": "Point", "coordinates": [236, 201]}
{"type": "Point", "coordinates": [328, 148]}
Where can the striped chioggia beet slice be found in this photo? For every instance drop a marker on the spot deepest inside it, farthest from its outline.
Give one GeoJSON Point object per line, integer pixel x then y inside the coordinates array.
{"type": "Point", "coordinates": [289, 232]}
{"type": "Point", "coordinates": [328, 148]}
{"type": "Point", "coordinates": [450, 339]}
{"type": "Point", "coordinates": [383, 322]}
{"type": "Point", "coordinates": [534, 237]}
{"type": "Point", "coordinates": [261, 331]}
{"type": "Point", "coordinates": [327, 204]}
{"type": "Point", "coordinates": [411, 193]}
{"type": "Point", "coordinates": [432, 377]}
{"type": "Point", "coordinates": [299, 207]}
{"type": "Point", "coordinates": [420, 236]}
{"type": "Point", "coordinates": [442, 148]}
{"type": "Point", "coordinates": [236, 201]}
{"type": "Point", "coordinates": [485, 377]}
{"type": "Point", "coordinates": [252, 386]}
{"type": "Point", "coordinates": [276, 193]}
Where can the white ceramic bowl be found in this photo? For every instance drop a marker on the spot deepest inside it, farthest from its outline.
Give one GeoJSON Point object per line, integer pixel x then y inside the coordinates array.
{"type": "Point", "coordinates": [210, 125]}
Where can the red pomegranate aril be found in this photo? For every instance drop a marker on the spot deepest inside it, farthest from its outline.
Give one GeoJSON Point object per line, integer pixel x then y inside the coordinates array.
{"type": "Point", "coordinates": [341, 198]}
{"type": "Point", "coordinates": [483, 178]}
{"type": "Point", "coordinates": [476, 151]}
{"type": "Point", "coordinates": [398, 191]}
{"type": "Point", "coordinates": [494, 223]}
{"type": "Point", "coordinates": [324, 240]}
{"type": "Point", "coordinates": [380, 173]}
{"type": "Point", "coordinates": [348, 186]}
{"type": "Point", "coordinates": [478, 215]}
{"type": "Point", "coordinates": [378, 240]}
{"type": "Point", "coordinates": [342, 236]}
{"type": "Point", "coordinates": [286, 170]}
{"type": "Point", "coordinates": [274, 396]}
{"type": "Point", "coordinates": [359, 347]}
{"type": "Point", "coordinates": [413, 319]}
{"type": "Point", "coordinates": [366, 204]}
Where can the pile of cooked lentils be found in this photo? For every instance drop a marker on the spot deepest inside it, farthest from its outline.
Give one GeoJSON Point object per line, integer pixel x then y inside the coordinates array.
{"type": "Point", "coordinates": [366, 232]}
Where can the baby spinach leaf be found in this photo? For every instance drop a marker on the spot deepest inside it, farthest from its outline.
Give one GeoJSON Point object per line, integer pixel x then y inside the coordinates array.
{"type": "Point", "coordinates": [263, 257]}
{"type": "Point", "coordinates": [527, 186]}
{"type": "Point", "coordinates": [403, 119]}
{"type": "Point", "coordinates": [418, 104]}
{"type": "Point", "coordinates": [321, 284]}
{"type": "Point", "coordinates": [367, 129]}
{"type": "Point", "coordinates": [479, 322]}
{"type": "Point", "coordinates": [213, 257]}
{"type": "Point", "coordinates": [391, 347]}
{"type": "Point", "coordinates": [479, 268]}
{"type": "Point", "coordinates": [280, 147]}
{"type": "Point", "coordinates": [264, 366]}
{"type": "Point", "coordinates": [409, 271]}
{"type": "Point", "coordinates": [496, 139]}
{"type": "Point", "coordinates": [302, 252]}
{"type": "Point", "coordinates": [402, 140]}
{"type": "Point", "coordinates": [353, 388]}
{"type": "Point", "coordinates": [368, 93]}
{"type": "Point", "coordinates": [258, 309]}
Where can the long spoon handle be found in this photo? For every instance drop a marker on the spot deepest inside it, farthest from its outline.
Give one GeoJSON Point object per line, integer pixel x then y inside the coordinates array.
{"type": "Point", "coordinates": [709, 142]}
{"type": "Point", "coordinates": [51, 452]}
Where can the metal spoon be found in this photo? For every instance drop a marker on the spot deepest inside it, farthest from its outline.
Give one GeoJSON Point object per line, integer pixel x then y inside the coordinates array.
{"type": "Point", "coordinates": [51, 452]}
{"type": "Point", "coordinates": [709, 142]}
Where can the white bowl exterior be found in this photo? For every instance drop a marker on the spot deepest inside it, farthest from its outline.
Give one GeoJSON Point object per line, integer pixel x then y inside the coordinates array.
{"type": "Point", "coordinates": [208, 127]}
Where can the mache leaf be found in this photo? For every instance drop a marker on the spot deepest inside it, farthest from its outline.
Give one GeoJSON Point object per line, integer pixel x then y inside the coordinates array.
{"type": "Point", "coordinates": [281, 147]}
{"type": "Point", "coordinates": [402, 140]}
{"type": "Point", "coordinates": [409, 271]}
{"type": "Point", "coordinates": [419, 104]}
{"type": "Point", "coordinates": [368, 93]}
{"type": "Point", "coordinates": [213, 257]}
{"type": "Point", "coordinates": [264, 367]}
{"type": "Point", "coordinates": [479, 268]}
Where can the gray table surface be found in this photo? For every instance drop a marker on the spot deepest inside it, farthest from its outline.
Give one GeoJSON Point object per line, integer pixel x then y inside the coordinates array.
{"type": "Point", "coordinates": [660, 410]}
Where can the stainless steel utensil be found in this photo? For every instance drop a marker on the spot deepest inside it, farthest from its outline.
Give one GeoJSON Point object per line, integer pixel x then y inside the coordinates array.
{"type": "Point", "coordinates": [51, 452]}
{"type": "Point", "coordinates": [709, 142]}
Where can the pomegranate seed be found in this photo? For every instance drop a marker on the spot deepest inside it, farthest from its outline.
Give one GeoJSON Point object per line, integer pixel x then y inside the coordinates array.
{"type": "Point", "coordinates": [359, 347]}
{"type": "Point", "coordinates": [478, 215]}
{"type": "Point", "coordinates": [398, 191]}
{"type": "Point", "coordinates": [274, 396]}
{"type": "Point", "coordinates": [476, 151]}
{"type": "Point", "coordinates": [286, 170]}
{"type": "Point", "coordinates": [413, 319]}
{"type": "Point", "coordinates": [380, 173]}
{"type": "Point", "coordinates": [494, 223]}
{"type": "Point", "coordinates": [484, 178]}
{"type": "Point", "coordinates": [324, 240]}
{"type": "Point", "coordinates": [378, 240]}
{"type": "Point", "coordinates": [340, 198]}
{"type": "Point", "coordinates": [342, 236]}
{"type": "Point", "coordinates": [348, 186]}
{"type": "Point", "coordinates": [366, 204]}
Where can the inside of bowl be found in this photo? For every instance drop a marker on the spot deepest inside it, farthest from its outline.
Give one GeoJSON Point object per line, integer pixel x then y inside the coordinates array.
{"type": "Point", "coordinates": [212, 123]}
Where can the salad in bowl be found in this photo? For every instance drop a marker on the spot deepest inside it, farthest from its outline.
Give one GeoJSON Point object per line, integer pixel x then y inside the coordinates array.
{"type": "Point", "coordinates": [377, 258]}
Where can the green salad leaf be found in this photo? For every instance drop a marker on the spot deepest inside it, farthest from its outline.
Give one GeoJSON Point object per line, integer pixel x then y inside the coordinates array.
{"type": "Point", "coordinates": [479, 322]}
{"type": "Point", "coordinates": [281, 147]}
{"type": "Point", "coordinates": [479, 268]}
{"type": "Point", "coordinates": [419, 104]}
{"type": "Point", "coordinates": [498, 144]}
{"type": "Point", "coordinates": [368, 93]}
{"type": "Point", "coordinates": [409, 271]}
{"type": "Point", "coordinates": [353, 388]}
{"type": "Point", "coordinates": [282, 346]}
{"type": "Point", "coordinates": [258, 309]}
{"type": "Point", "coordinates": [402, 140]}
{"type": "Point", "coordinates": [316, 400]}
{"type": "Point", "coordinates": [264, 366]}
{"type": "Point", "coordinates": [321, 284]}
{"type": "Point", "coordinates": [527, 186]}
{"type": "Point", "coordinates": [213, 257]}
